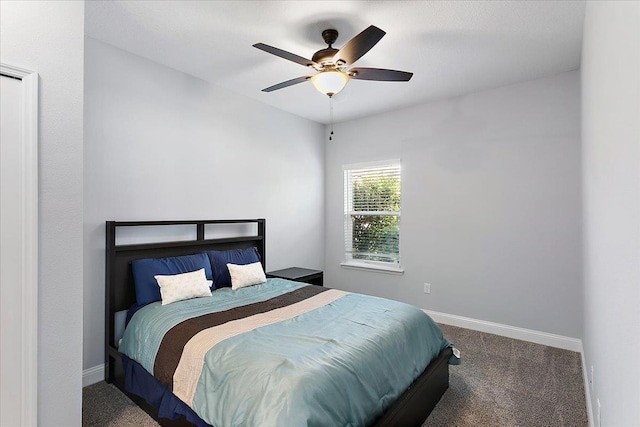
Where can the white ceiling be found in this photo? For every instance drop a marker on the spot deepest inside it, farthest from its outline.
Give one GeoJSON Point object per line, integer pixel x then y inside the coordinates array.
{"type": "Point", "coordinates": [452, 47]}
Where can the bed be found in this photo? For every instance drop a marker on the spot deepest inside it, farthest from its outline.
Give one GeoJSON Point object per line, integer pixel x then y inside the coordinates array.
{"type": "Point", "coordinates": [315, 401]}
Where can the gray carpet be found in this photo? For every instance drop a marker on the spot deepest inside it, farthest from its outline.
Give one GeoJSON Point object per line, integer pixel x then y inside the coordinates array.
{"type": "Point", "coordinates": [507, 382]}
{"type": "Point", "coordinates": [104, 405]}
{"type": "Point", "coordinates": [501, 382]}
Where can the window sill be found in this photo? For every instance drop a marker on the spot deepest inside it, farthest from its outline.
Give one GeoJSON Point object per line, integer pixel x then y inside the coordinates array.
{"type": "Point", "coordinates": [372, 267]}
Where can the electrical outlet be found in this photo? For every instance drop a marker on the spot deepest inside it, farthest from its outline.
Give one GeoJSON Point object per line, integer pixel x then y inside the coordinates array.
{"type": "Point", "coordinates": [598, 414]}
{"type": "Point", "coordinates": [427, 288]}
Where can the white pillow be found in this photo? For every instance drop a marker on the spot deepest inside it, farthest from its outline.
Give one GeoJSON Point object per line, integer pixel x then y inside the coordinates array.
{"type": "Point", "coordinates": [184, 286]}
{"type": "Point", "coordinates": [246, 275]}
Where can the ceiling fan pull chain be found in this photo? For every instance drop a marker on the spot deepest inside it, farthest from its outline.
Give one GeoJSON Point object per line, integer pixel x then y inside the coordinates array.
{"type": "Point", "coordinates": [331, 117]}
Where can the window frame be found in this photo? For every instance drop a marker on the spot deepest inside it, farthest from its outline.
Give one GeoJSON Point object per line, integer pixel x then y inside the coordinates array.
{"type": "Point", "coordinates": [348, 212]}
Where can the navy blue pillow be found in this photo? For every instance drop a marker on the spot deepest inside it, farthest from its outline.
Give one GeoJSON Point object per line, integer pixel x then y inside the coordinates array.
{"type": "Point", "coordinates": [147, 289]}
{"type": "Point", "coordinates": [220, 259]}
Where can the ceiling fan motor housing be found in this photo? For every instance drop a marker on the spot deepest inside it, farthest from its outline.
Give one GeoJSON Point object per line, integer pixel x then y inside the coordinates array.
{"type": "Point", "coordinates": [324, 56]}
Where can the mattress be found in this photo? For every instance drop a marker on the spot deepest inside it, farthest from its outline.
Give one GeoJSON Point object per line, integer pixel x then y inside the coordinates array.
{"type": "Point", "coordinates": [284, 353]}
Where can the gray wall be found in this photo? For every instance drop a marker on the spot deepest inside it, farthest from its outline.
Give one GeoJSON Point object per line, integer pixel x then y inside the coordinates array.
{"type": "Point", "coordinates": [160, 144]}
{"type": "Point", "coordinates": [491, 206]}
{"type": "Point", "coordinates": [47, 37]}
{"type": "Point", "coordinates": [611, 141]}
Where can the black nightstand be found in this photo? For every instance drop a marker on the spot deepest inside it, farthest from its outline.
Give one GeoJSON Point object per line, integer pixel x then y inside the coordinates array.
{"type": "Point", "coordinates": [313, 277]}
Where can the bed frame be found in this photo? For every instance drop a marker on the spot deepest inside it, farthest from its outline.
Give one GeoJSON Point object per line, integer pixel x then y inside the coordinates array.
{"type": "Point", "coordinates": [411, 408]}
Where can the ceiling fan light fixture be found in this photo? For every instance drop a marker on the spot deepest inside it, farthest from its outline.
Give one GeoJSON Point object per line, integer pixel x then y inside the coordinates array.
{"type": "Point", "coordinates": [330, 82]}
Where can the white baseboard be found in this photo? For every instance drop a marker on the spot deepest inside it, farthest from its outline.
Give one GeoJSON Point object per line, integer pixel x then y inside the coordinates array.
{"type": "Point", "coordinates": [530, 335]}
{"type": "Point", "coordinates": [92, 375]}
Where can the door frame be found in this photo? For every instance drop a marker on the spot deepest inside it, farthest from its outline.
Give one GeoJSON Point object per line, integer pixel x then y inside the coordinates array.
{"type": "Point", "coordinates": [29, 233]}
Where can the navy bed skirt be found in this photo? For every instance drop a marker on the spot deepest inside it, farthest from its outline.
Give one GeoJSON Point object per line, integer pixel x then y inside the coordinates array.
{"type": "Point", "coordinates": [141, 383]}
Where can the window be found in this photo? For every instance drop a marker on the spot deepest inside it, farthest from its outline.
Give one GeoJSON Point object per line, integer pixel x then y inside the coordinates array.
{"type": "Point", "coordinates": [372, 215]}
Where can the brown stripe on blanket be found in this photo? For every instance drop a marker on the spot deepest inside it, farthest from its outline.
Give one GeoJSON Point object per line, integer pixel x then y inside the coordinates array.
{"type": "Point", "coordinates": [176, 338]}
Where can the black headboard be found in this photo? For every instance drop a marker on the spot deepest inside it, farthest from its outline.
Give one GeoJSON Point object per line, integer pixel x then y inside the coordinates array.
{"type": "Point", "coordinates": [120, 289]}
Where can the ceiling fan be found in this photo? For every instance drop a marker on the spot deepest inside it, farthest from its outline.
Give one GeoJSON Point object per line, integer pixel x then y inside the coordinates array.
{"type": "Point", "coordinates": [332, 65]}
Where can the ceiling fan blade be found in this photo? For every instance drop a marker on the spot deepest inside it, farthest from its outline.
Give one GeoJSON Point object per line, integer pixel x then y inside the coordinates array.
{"type": "Point", "coordinates": [379, 74]}
{"type": "Point", "coordinates": [287, 83]}
{"type": "Point", "coordinates": [358, 46]}
{"type": "Point", "coordinates": [286, 55]}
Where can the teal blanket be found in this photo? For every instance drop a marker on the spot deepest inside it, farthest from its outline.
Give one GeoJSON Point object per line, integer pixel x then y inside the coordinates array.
{"type": "Point", "coordinates": [332, 359]}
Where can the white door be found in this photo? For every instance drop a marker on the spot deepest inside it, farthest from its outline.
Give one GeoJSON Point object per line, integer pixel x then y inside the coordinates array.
{"type": "Point", "coordinates": [18, 253]}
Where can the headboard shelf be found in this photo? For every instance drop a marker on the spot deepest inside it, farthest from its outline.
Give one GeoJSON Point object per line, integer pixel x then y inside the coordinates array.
{"type": "Point", "coordinates": [189, 243]}
{"type": "Point", "coordinates": [185, 222]}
